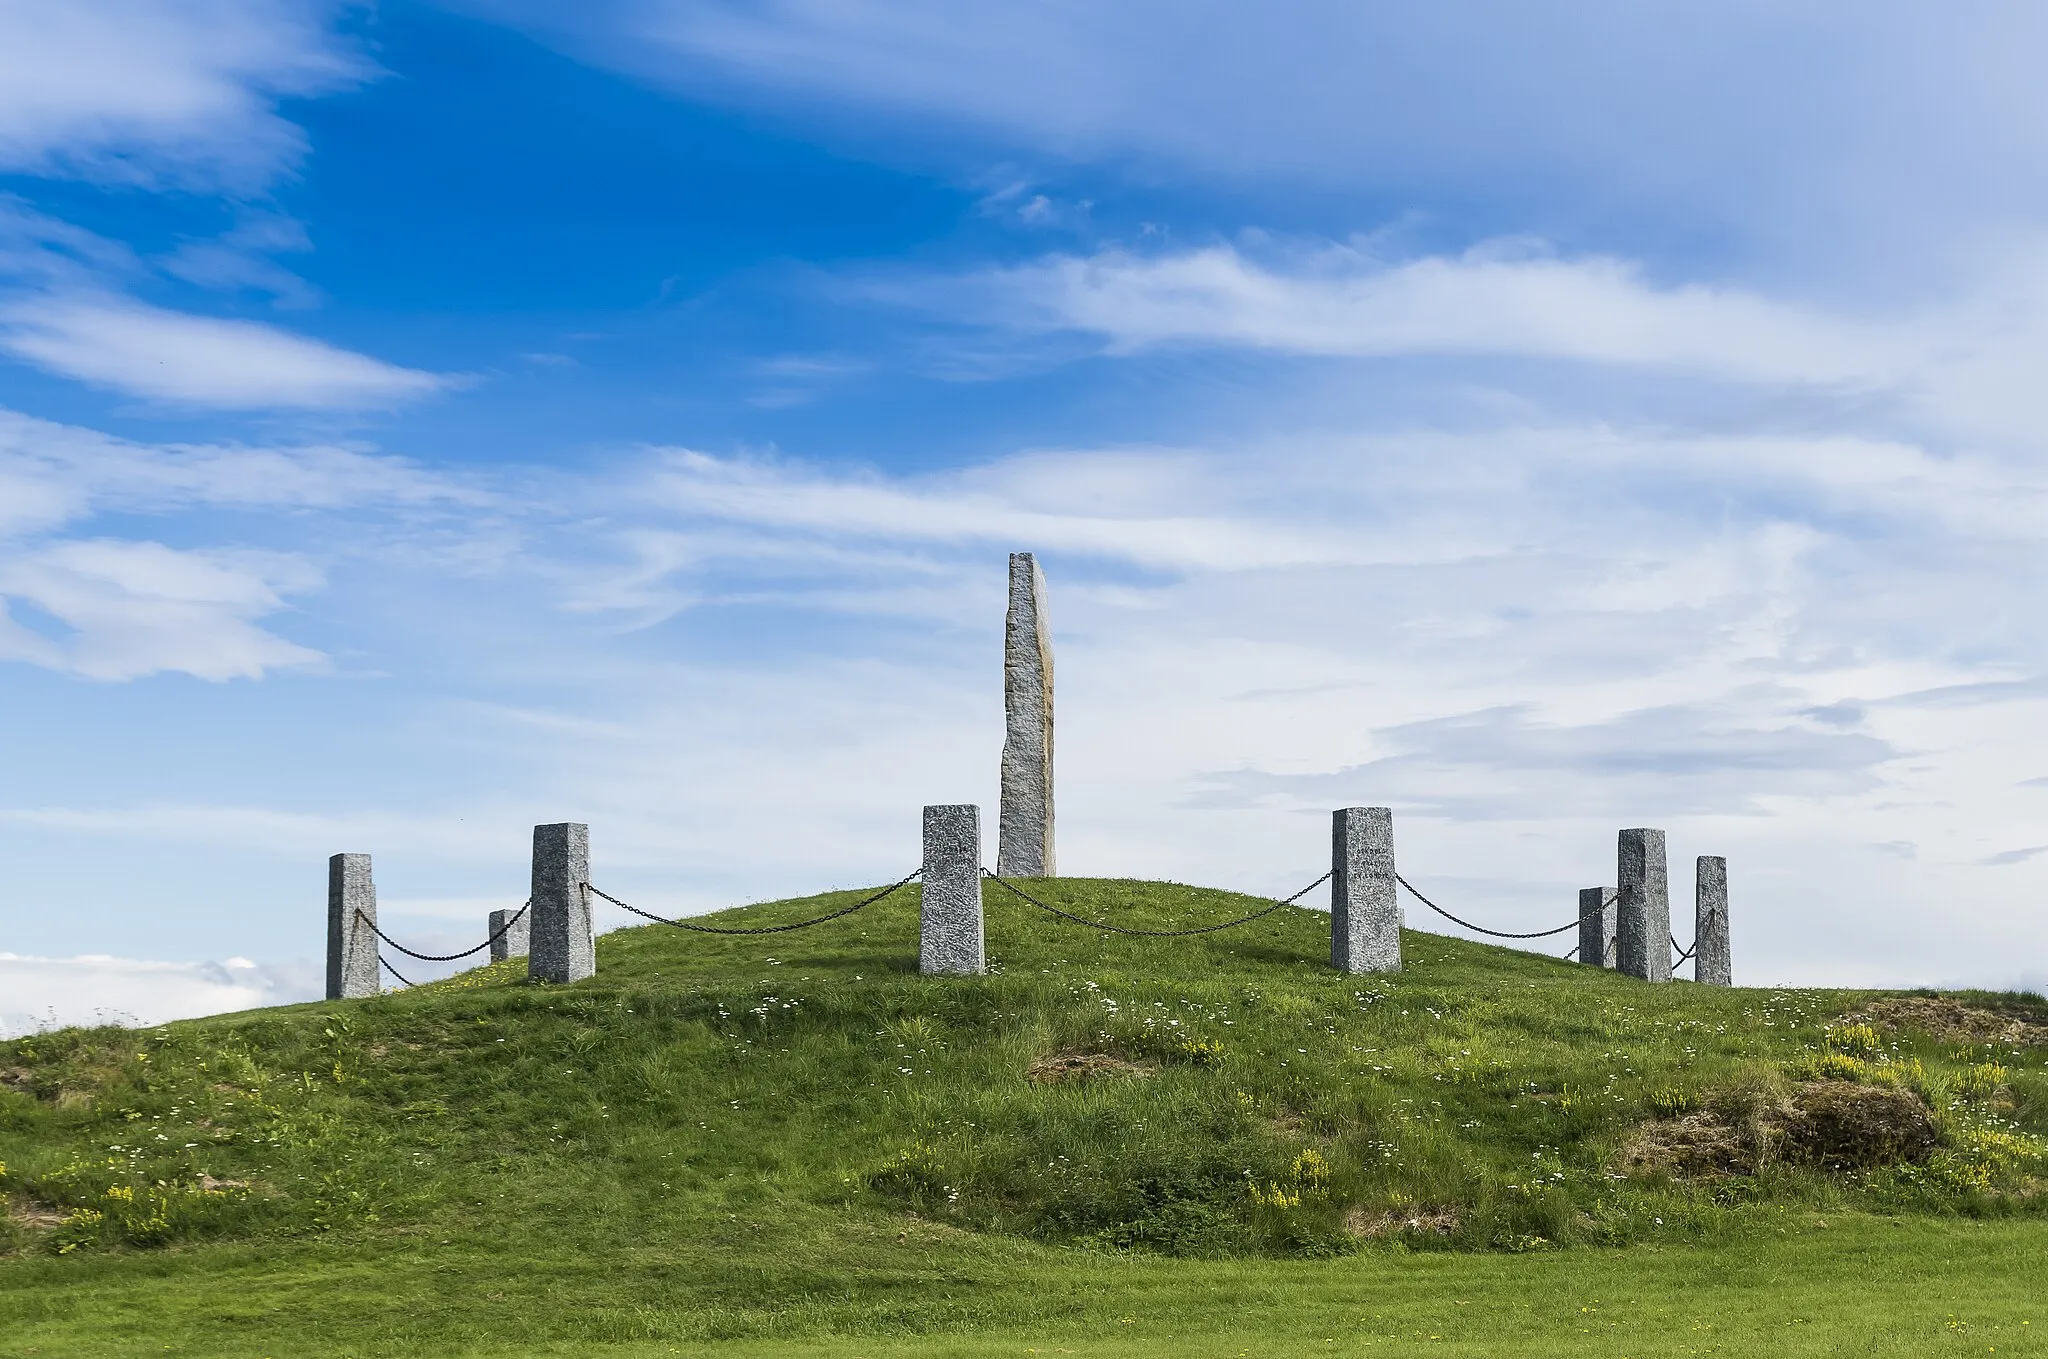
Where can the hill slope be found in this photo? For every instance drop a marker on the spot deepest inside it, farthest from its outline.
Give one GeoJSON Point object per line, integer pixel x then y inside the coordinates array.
{"type": "Point", "coordinates": [785, 1111]}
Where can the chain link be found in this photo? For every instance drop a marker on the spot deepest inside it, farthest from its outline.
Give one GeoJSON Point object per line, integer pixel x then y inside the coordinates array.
{"type": "Point", "coordinates": [496, 935]}
{"type": "Point", "coordinates": [394, 971]}
{"type": "Point", "coordinates": [765, 929]}
{"type": "Point", "coordinates": [1015, 891]}
{"type": "Point", "coordinates": [1498, 934]}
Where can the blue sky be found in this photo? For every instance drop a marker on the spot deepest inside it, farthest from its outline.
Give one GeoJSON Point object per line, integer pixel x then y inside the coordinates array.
{"type": "Point", "coordinates": [420, 421]}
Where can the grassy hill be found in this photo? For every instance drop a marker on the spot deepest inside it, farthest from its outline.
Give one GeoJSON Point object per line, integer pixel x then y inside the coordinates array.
{"type": "Point", "coordinates": [1108, 1145]}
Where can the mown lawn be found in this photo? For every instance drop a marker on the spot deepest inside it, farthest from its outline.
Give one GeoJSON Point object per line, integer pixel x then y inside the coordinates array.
{"type": "Point", "coordinates": [1859, 1286]}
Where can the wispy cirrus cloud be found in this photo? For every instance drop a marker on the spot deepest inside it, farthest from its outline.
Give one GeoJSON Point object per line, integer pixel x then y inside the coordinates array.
{"type": "Point", "coordinates": [1717, 757]}
{"type": "Point", "coordinates": [957, 510]}
{"type": "Point", "coordinates": [202, 361]}
{"type": "Point", "coordinates": [1885, 127]}
{"type": "Point", "coordinates": [180, 95]}
{"type": "Point", "coordinates": [128, 609]}
{"type": "Point", "coordinates": [1964, 364]}
{"type": "Point", "coordinates": [1508, 299]}
{"type": "Point", "coordinates": [52, 474]}
{"type": "Point", "coordinates": [116, 609]}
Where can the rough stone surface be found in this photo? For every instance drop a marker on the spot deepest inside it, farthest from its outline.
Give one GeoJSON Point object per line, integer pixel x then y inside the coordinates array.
{"type": "Point", "coordinates": [513, 943]}
{"type": "Point", "coordinates": [1024, 820]}
{"type": "Point", "coordinates": [1642, 927]}
{"type": "Point", "coordinates": [1596, 932]}
{"type": "Point", "coordinates": [1365, 910]}
{"type": "Point", "coordinates": [351, 943]}
{"type": "Point", "coordinates": [1712, 964]}
{"type": "Point", "coordinates": [949, 935]}
{"type": "Point", "coordinates": [560, 948]}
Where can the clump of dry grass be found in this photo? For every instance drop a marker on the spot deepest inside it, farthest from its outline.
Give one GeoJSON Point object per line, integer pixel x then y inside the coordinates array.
{"type": "Point", "coordinates": [1954, 1021]}
{"type": "Point", "coordinates": [1827, 1124]}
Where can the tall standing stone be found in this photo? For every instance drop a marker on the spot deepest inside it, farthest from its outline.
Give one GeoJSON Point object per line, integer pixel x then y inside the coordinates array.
{"type": "Point", "coordinates": [351, 928]}
{"type": "Point", "coordinates": [949, 933]}
{"type": "Point", "coordinates": [1642, 934]}
{"type": "Point", "coordinates": [1711, 961]}
{"type": "Point", "coordinates": [1024, 820]}
{"type": "Point", "coordinates": [560, 943]}
{"type": "Point", "coordinates": [510, 933]}
{"type": "Point", "coordinates": [1365, 909]}
{"type": "Point", "coordinates": [1596, 926]}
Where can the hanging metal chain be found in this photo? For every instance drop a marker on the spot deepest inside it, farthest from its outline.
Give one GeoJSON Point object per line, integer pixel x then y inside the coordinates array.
{"type": "Point", "coordinates": [394, 972]}
{"type": "Point", "coordinates": [1015, 891]}
{"type": "Point", "coordinates": [1683, 953]}
{"type": "Point", "coordinates": [496, 935]}
{"type": "Point", "coordinates": [1498, 934]}
{"type": "Point", "coordinates": [765, 929]}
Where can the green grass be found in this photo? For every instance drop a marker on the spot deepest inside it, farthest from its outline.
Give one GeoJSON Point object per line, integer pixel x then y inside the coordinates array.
{"type": "Point", "coordinates": [789, 1143]}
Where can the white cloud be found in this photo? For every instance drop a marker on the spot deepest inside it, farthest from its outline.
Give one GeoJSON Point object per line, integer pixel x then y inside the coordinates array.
{"type": "Point", "coordinates": [202, 361]}
{"type": "Point", "coordinates": [954, 511]}
{"type": "Point", "coordinates": [240, 259]}
{"type": "Point", "coordinates": [1966, 365]}
{"type": "Point", "coordinates": [1888, 129]}
{"type": "Point", "coordinates": [1520, 636]}
{"type": "Point", "coordinates": [115, 609]}
{"type": "Point", "coordinates": [131, 609]}
{"type": "Point", "coordinates": [1341, 302]}
{"type": "Point", "coordinates": [51, 474]}
{"type": "Point", "coordinates": [184, 94]}
{"type": "Point", "coordinates": [46, 993]}
{"type": "Point", "coordinates": [477, 835]}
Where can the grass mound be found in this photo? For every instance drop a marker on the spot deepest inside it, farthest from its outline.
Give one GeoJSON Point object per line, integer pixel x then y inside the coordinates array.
{"type": "Point", "coordinates": [693, 1076]}
{"type": "Point", "coordinates": [789, 1102]}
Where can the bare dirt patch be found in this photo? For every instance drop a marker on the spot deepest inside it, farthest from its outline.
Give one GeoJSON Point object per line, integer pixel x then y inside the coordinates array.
{"type": "Point", "coordinates": [1061, 1067]}
{"type": "Point", "coordinates": [18, 1079]}
{"type": "Point", "coordinates": [33, 1215]}
{"type": "Point", "coordinates": [1952, 1021]}
{"type": "Point", "coordinates": [1834, 1125]}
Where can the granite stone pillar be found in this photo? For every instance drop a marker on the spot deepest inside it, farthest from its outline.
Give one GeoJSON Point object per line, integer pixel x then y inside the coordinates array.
{"type": "Point", "coordinates": [559, 943]}
{"type": "Point", "coordinates": [949, 932]}
{"type": "Point", "coordinates": [1365, 908]}
{"type": "Point", "coordinates": [1024, 819]}
{"type": "Point", "coordinates": [1642, 927]}
{"type": "Point", "coordinates": [1596, 926]}
{"type": "Point", "coordinates": [351, 932]}
{"type": "Point", "coordinates": [513, 942]}
{"type": "Point", "coordinates": [1711, 964]}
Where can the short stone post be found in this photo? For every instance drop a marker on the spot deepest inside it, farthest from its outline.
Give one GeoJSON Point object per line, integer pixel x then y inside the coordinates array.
{"type": "Point", "coordinates": [351, 928]}
{"type": "Point", "coordinates": [1596, 926]}
{"type": "Point", "coordinates": [1642, 927]}
{"type": "Point", "coordinates": [1711, 963]}
{"type": "Point", "coordinates": [559, 939]}
{"type": "Point", "coordinates": [512, 942]}
{"type": "Point", "coordinates": [949, 931]}
{"type": "Point", "coordinates": [1365, 908]}
{"type": "Point", "coordinates": [1024, 817]}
